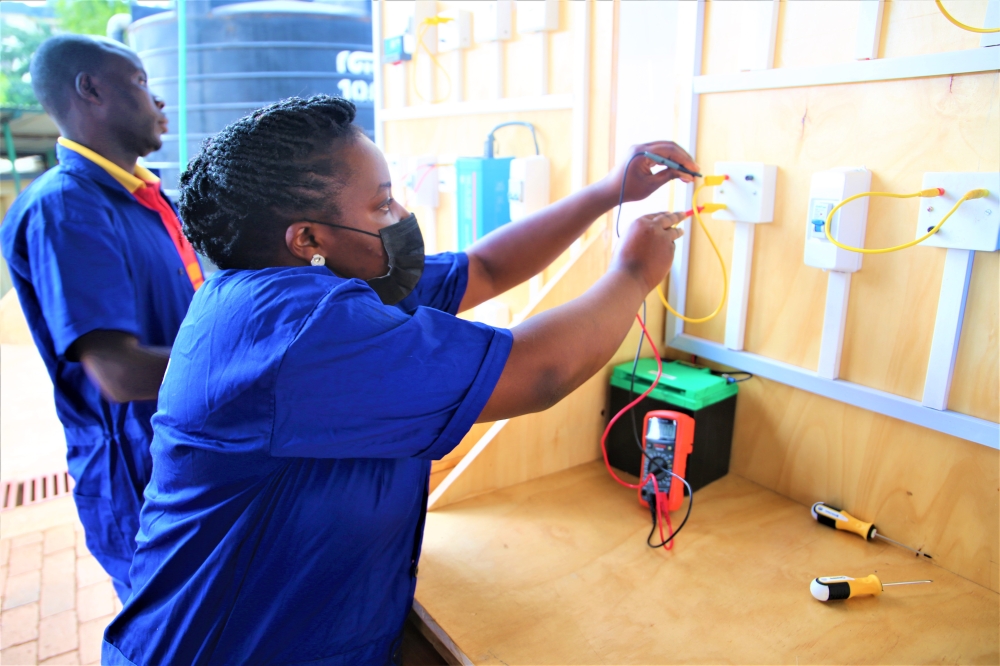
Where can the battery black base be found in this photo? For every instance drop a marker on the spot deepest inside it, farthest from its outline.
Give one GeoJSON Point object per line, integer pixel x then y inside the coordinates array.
{"type": "Point", "coordinates": [713, 436]}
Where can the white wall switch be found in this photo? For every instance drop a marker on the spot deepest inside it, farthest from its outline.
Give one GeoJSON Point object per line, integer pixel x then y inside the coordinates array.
{"type": "Point", "coordinates": [749, 192]}
{"type": "Point", "coordinates": [456, 33]}
{"type": "Point", "coordinates": [537, 15]}
{"type": "Point", "coordinates": [493, 20]}
{"type": "Point", "coordinates": [976, 223]}
{"type": "Point", "coordinates": [528, 187]}
{"type": "Point", "coordinates": [827, 189]}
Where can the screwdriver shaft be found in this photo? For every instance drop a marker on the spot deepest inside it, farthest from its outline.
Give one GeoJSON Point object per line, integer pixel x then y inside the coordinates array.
{"type": "Point", "coordinates": [908, 582]}
{"type": "Point", "coordinates": [901, 545]}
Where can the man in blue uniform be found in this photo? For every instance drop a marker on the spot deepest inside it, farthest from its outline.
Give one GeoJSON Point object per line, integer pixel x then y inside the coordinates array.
{"type": "Point", "coordinates": [104, 276]}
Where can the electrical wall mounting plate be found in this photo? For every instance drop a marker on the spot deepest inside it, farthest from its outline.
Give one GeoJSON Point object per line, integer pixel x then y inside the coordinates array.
{"type": "Point", "coordinates": [827, 189]}
{"type": "Point", "coordinates": [976, 223]}
{"type": "Point", "coordinates": [456, 33]}
{"type": "Point", "coordinates": [749, 192]}
{"type": "Point", "coordinates": [537, 15]}
{"type": "Point", "coordinates": [493, 20]}
{"type": "Point", "coordinates": [528, 186]}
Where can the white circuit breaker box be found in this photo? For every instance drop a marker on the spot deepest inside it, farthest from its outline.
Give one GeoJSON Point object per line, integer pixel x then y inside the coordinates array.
{"type": "Point", "coordinates": [828, 188]}
{"type": "Point", "coordinates": [528, 186]}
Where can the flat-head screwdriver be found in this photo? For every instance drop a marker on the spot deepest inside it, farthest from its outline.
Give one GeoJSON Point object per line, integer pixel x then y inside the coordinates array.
{"type": "Point", "coordinates": [835, 588]}
{"type": "Point", "coordinates": [825, 514]}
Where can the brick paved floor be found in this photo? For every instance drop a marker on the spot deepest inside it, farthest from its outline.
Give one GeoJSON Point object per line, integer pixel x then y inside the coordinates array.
{"type": "Point", "coordinates": [55, 600]}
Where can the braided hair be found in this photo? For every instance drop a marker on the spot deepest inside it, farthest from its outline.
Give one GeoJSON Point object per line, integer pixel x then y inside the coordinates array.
{"type": "Point", "coordinates": [237, 196]}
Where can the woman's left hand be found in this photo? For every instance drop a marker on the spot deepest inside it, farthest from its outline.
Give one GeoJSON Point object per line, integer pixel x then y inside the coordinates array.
{"type": "Point", "coordinates": [641, 181]}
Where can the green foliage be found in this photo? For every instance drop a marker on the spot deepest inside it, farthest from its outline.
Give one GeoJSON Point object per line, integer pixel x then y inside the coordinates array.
{"type": "Point", "coordinates": [21, 35]}
{"type": "Point", "coordinates": [16, 46]}
{"type": "Point", "coordinates": [88, 17]}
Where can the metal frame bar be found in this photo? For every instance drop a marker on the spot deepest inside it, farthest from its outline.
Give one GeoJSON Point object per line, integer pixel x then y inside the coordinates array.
{"type": "Point", "coordinates": [948, 327]}
{"type": "Point", "coordinates": [182, 81]}
{"type": "Point", "coordinates": [739, 284]}
{"type": "Point", "coordinates": [966, 427]}
{"type": "Point", "coordinates": [831, 345]}
{"type": "Point", "coordinates": [689, 36]}
{"type": "Point", "coordinates": [505, 105]}
{"type": "Point", "coordinates": [968, 61]}
{"type": "Point", "coordinates": [869, 29]}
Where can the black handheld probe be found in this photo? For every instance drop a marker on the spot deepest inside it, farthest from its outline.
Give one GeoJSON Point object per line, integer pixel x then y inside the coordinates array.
{"type": "Point", "coordinates": [671, 164]}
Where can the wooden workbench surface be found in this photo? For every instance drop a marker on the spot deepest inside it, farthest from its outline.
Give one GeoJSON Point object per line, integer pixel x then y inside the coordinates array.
{"type": "Point", "coordinates": [557, 571]}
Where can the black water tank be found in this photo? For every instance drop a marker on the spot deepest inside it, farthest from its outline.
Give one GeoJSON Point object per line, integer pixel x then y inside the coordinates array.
{"type": "Point", "coordinates": [246, 55]}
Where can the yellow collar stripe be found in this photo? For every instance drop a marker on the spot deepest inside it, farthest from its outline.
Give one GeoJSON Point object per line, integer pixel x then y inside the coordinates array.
{"type": "Point", "coordinates": [130, 182]}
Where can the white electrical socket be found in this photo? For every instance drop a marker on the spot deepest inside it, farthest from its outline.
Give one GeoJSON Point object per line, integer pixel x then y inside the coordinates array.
{"type": "Point", "coordinates": [456, 33]}
{"type": "Point", "coordinates": [976, 223]}
{"type": "Point", "coordinates": [829, 188]}
{"type": "Point", "coordinates": [493, 20]}
{"type": "Point", "coordinates": [749, 192]}
{"type": "Point", "coordinates": [424, 181]}
{"type": "Point", "coordinates": [528, 186]}
{"type": "Point", "coordinates": [537, 15]}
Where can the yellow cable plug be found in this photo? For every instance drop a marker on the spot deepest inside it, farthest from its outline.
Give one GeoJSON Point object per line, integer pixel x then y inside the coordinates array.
{"type": "Point", "coordinates": [962, 25]}
{"type": "Point", "coordinates": [710, 181]}
{"type": "Point", "coordinates": [928, 193]}
{"type": "Point", "coordinates": [712, 207]}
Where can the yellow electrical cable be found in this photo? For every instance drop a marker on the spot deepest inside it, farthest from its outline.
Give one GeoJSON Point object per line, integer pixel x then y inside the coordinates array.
{"type": "Point", "coordinates": [421, 30]}
{"type": "Point", "coordinates": [932, 192]}
{"type": "Point", "coordinates": [960, 24]}
{"type": "Point", "coordinates": [710, 181]}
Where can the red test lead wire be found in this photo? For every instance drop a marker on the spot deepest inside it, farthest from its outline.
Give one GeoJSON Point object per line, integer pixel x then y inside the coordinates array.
{"type": "Point", "coordinates": [665, 515]}
{"type": "Point", "coordinates": [604, 437]}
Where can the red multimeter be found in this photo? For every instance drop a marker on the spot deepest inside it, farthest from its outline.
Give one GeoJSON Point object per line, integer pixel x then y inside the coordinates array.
{"type": "Point", "coordinates": [667, 439]}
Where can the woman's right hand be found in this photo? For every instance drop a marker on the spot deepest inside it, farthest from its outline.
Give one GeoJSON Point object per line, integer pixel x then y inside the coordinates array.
{"type": "Point", "coordinates": [647, 250]}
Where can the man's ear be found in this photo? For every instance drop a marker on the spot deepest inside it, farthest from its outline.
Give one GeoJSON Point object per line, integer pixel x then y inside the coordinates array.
{"type": "Point", "coordinates": [300, 240]}
{"type": "Point", "coordinates": [87, 88]}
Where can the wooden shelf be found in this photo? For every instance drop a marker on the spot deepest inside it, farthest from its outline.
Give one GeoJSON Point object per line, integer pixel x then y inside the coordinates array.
{"type": "Point", "coordinates": [556, 570]}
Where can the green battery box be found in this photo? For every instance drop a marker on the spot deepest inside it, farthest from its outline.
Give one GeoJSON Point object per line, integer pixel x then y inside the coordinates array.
{"type": "Point", "coordinates": [706, 397]}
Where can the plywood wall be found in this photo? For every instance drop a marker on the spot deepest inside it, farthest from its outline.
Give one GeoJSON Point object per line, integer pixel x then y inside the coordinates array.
{"type": "Point", "coordinates": [920, 486]}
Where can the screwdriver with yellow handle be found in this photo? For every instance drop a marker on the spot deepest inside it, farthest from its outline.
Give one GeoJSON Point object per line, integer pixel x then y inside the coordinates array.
{"type": "Point", "coordinates": [836, 588]}
{"type": "Point", "coordinates": [825, 514]}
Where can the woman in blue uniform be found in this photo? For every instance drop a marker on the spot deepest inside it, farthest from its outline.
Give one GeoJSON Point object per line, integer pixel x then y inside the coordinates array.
{"type": "Point", "coordinates": [315, 378]}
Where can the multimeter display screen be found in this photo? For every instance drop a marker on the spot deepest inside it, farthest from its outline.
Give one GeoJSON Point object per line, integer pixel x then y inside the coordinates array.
{"type": "Point", "coordinates": [661, 430]}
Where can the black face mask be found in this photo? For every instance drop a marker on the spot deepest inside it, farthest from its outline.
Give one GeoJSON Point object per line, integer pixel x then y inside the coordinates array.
{"type": "Point", "coordinates": [404, 246]}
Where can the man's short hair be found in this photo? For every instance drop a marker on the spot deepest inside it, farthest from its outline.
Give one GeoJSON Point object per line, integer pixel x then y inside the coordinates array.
{"type": "Point", "coordinates": [58, 61]}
